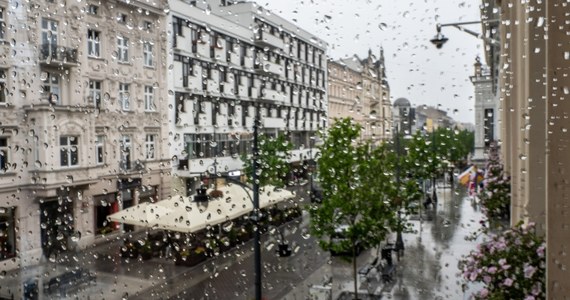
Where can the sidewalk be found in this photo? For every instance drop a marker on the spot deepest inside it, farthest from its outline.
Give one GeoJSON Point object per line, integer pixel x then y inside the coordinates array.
{"type": "Point", "coordinates": [428, 269]}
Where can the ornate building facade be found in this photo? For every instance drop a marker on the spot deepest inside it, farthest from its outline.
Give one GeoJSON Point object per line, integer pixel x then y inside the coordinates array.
{"type": "Point", "coordinates": [82, 121]}
{"type": "Point", "coordinates": [358, 88]}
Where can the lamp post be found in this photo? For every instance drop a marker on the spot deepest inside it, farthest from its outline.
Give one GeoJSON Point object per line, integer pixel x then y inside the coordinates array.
{"type": "Point", "coordinates": [433, 185]}
{"type": "Point", "coordinates": [255, 217]}
{"type": "Point", "coordinates": [399, 240]}
{"type": "Point", "coordinates": [439, 39]}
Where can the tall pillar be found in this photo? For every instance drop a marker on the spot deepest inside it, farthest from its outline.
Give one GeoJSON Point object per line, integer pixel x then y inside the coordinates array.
{"type": "Point", "coordinates": [558, 155]}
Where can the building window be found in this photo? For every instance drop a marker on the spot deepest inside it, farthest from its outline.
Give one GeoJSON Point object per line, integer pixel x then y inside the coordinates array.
{"type": "Point", "coordinates": [93, 9]}
{"type": "Point", "coordinates": [100, 149]}
{"type": "Point", "coordinates": [489, 126]}
{"type": "Point", "coordinates": [93, 43]}
{"type": "Point", "coordinates": [123, 49]}
{"type": "Point", "coordinates": [7, 233]}
{"type": "Point", "coordinates": [147, 25]}
{"type": "Point", "coordinates": [49, 35]}
{"type": "Point", "coordinates": [68, 151]}
{"type": "Point", "coordinates": [150, 145]}
{"type": "Point", "coordinates": [147, 54]}
{"type": "Point", "coordinates": [51, 87]}
{"type": "Point", "coordinates": [95, 93]}
{"type": "Point", "coordinates": [124, 96]}
{"type": "Point", "coordinates": [122, 18]}
{"type": "Point", "coordinates": [4, 154]}
{"type": "Point", "coordinates": [2, 87]}
{"type": "Point", "coordinates": [2, 24]}
{"type": "Point", "coordinates": [149, 98]}
{"type": "Point", "coordinates": [125, 148]}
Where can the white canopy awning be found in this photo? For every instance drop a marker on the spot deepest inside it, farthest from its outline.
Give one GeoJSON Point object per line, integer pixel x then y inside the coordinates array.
{"type": "Point", "coordinates": [184, 215]}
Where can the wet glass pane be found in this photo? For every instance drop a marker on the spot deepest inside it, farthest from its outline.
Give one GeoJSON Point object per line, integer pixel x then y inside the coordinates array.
{"type": "Point", "coordinates": [222, 149]}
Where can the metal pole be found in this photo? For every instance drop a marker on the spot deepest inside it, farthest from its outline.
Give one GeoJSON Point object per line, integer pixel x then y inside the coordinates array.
{"type": "Point", "coordinates": [256, 213]}
{"type": "Point", "coordinates": [434, 194]}
{"type": "Point", "coordinates": [399, 239]}
{"type": "Point", "coordinates": [311, 170]}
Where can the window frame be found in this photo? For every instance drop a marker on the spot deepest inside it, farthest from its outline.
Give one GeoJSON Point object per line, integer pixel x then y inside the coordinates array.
{"type": "Point", "coordinates": [93, 43]}
{"type": "Point", "coordinates": [66, 149]}
{"type": "Point", "coordinates": [148, 54]}
{"type": "Point", "coordinates": [50, 38]}
{"type": "Point", "coordinates": [48, 88]}
{"type": "Point", "coordinates": [93, 9]}
{"type": "Point", "coordinates": [4, 159]}
{"type": "Point", "coordinates": [95, 92]}
{"type": "Point", "coordinates": [100, 150]}
{"type": "Point", "coordinates": [3, 88]}
{"type": "Point", "coordinates": [150, 146]}
{"type": "Point", "coordinates": [122, 49]}
{"type": "Point", "coordinates": [126, 143]}
{"type": "Point", "coordinates": [149, 99]}
{"type": "Point", "coordinates": [2, 24]}
{"type": "Point", "coordinates": [124, 88]}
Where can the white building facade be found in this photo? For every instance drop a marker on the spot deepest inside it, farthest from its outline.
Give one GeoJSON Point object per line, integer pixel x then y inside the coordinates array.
{"type": "Point", "coordinates": [229, 63]}
{"type": "Point", "coordinates": [486, 129]}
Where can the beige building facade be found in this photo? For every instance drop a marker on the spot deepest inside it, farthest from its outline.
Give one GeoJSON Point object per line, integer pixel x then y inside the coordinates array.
{"type": "Point", "coordinates": [358, 88]}
{"type": "Point", "coordinates": [82, 121]}
{"type": "Point", "coordinates": [533, 87]}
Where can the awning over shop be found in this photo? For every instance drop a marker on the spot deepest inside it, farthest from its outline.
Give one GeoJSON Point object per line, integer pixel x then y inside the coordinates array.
{"type": "Point", "coordinates": [182, 214]}
{"type": "Point", "coordinates": [144, 214]}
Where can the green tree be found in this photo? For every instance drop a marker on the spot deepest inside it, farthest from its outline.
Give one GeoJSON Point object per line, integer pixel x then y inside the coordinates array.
{"type": "Point", "coordinates": [357, 185]}
{"type": "Point", "coordinates": [272, 161]}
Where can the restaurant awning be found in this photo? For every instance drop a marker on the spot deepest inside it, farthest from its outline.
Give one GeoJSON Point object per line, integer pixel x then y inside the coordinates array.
{"type": "Point", "coordinates": [182, 214]}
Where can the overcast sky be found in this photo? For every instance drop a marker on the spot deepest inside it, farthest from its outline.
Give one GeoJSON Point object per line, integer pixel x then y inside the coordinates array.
{"type": "Point", "coordinates": [416, 70]}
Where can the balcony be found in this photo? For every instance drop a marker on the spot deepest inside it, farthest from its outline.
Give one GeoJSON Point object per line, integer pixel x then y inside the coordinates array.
{"type": "Point", "coordinates": [234, 59]}
{"type": "Point", "coordinates": [58, 55]}
{"type": "Point", "coordinates": [254, 92]}
{"type": "Point", "coordinates": [269, 122]}
{"type": "Point", "coordinates": [268, 67]}
{"type": "Point", "coordinates": [213, 87]}
{"type": "Point", "coordinates": [270, 94]}
{"type": "Point", "coordinates": [267, 39]}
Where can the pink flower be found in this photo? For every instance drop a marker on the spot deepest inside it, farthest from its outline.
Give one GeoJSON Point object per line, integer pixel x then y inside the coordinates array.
{"type": "Point", "coordinates": [487, 279]}
{"type": "Point", "coordinates": [502, 261]}
{"type": "Point", "coordinates": [508, 282]}
{"type": "Point", "coordinates": [484, 293]}
{"type": "Point", "coordinates": [473, 276]}
{"type": "Point", "coordinates": [492, 270]}
{"type": "Point", "coordinates": [540, 250]}
{"type": "Point", "coordinates": [529, 271]}
{"type": "Point", "coordinates": [530, 297]}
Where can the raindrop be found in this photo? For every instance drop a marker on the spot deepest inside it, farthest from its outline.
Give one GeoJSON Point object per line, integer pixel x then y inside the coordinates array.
{"type": "Point", "coordinates": [382, 26]}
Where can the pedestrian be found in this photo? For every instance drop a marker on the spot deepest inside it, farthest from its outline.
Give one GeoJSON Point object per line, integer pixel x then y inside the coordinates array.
{"type": "Point", "coordinates": [473, 181]}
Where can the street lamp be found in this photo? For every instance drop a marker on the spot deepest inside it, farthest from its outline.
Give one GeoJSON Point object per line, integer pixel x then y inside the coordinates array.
{"type": "Point", "coordinates": [399, 247]}
{"type": "Point", "coordinates": [439, 39]}
{"type": "Point", "coordinates": [255, 217]}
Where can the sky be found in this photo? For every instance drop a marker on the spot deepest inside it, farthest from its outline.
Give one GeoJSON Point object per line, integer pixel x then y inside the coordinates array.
{"type": "Point", "coordinates": [416, 70]}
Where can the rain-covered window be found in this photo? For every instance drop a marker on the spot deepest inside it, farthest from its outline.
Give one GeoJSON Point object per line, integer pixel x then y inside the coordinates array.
{"type": "Point", "coordinates": [269, 149]}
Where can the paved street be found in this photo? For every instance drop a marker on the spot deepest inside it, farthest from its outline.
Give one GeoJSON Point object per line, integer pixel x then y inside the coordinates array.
{"type": "Point", "coordinates": [428, 269]}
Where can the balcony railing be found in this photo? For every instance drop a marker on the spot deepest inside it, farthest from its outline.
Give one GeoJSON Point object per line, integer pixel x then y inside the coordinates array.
{"type": "Point", "coordinates": [54, 54]}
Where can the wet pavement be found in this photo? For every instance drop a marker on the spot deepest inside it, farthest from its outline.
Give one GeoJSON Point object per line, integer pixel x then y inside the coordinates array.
{"type": "Point", "coordinates": [428, 269]}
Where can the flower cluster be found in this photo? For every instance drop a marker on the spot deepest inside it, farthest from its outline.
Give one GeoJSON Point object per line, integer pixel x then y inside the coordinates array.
{"type": "Point", "coordinates": [511, 265]}
{"type": "Point", "coordinates": [496, 197]}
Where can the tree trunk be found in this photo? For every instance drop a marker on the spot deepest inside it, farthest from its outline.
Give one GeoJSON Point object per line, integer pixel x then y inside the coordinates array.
{"type": "Point", "coordinates": [354, 274]}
